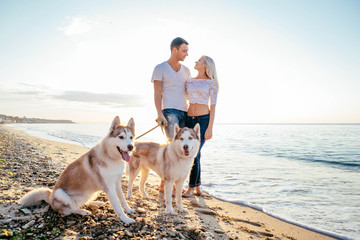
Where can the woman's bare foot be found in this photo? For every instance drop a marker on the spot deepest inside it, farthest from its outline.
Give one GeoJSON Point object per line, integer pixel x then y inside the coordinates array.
{"type": "Point", "coordinates": [198, 191]}
{"type": "Point", "coordinates": [188, 193]}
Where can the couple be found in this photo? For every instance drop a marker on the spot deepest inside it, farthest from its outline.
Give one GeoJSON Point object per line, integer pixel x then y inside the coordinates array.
{"type": "Point", "coordinates": [173, 86]}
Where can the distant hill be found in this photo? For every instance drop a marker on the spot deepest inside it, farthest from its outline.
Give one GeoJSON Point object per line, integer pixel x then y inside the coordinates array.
{"type": "Point", "coordinates": [11, 119]}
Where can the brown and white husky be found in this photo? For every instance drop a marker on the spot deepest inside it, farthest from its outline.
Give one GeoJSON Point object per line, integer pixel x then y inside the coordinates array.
{"type": "Point", "coordinates": [101, 168]}
{"type": "Point", "coordinates": [172, 162]}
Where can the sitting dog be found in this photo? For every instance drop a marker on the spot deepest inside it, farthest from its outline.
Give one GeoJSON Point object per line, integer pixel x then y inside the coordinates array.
{"type": "Point", "coordinates": [172, 162]}
{"type": "Point", "coordinates": [101, 168]}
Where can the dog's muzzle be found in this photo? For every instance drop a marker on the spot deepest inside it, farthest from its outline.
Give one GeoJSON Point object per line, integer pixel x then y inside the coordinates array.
{"type": "Point", "coordinates": [186, 150]}
{"type": "Point", "coordinates": [125, 154]}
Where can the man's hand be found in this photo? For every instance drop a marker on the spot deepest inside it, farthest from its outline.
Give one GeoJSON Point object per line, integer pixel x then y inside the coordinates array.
{"type": "Point", "coordinates": [162, 120]}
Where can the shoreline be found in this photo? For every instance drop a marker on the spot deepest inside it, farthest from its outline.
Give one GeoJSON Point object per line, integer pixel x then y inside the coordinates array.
{"type": "Point", "coordinates": [301, 225]}
{"type": "Point", "coordinates": [208, 217]}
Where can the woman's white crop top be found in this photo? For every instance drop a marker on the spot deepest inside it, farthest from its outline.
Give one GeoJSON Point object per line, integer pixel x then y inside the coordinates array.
{"type": "Point", "coordinates": [200, 90]}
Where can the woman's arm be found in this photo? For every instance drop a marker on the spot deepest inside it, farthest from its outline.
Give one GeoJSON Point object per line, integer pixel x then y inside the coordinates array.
{"type": "Point", "coordinates": [208, 132]}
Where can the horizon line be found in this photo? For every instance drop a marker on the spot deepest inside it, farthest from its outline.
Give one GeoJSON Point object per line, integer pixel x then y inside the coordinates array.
{"type": "Point", "coordinates": [223, 123]}
{"type": "Point", "coordinates": [291, 123]}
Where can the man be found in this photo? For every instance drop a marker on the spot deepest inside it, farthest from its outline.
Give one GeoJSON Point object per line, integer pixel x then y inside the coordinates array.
{"type": "Point", "coordinates": [169, 80]}
{"type": "Point", "coordinates": [169, 87]}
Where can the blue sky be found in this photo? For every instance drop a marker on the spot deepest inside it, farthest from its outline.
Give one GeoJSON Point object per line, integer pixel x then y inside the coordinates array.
{"type": "Point", "coordinates": [277, 61]}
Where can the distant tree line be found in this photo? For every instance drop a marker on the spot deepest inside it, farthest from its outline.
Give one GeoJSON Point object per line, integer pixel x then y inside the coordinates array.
{"type": "Point", "coordinates": [12, 119]}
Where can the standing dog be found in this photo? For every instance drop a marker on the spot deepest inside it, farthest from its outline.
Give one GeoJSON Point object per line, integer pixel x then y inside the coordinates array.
{"type": "Point", "coordinates": [100, 168]}
{"type": "Point", "coordinates": [172, 162]}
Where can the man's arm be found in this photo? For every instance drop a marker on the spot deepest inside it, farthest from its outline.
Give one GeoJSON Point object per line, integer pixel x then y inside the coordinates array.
{"type": "Point", "coordinates": [158, 101]}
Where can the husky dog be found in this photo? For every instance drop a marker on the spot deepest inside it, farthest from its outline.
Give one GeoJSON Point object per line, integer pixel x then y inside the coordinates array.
{"type": "Point", "coordinates": [172, 162]}
{"type": "Point", "coordinates": [100, 168]}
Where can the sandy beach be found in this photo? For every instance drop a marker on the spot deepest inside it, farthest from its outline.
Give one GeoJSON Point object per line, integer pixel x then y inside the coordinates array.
{"type": "Point", "coordinates": [28, 162]}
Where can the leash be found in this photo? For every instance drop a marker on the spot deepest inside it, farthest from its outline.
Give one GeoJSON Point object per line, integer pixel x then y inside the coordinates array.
{"type": "Point", "coordinates": [148, 131]}
{"type": "Point", "coordinates": [162, 129]}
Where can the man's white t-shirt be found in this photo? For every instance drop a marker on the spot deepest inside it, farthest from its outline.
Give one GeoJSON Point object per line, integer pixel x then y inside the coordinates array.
{"type": "Point", "coordinates": [173, 85]}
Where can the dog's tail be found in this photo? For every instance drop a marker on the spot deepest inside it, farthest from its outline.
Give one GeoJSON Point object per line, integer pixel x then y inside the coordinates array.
{"type": "Point", "coordinates": [36, 196]}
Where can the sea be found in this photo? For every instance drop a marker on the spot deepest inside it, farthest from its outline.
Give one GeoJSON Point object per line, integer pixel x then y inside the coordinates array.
{"type": "Point", "coordinates": [306, 174]}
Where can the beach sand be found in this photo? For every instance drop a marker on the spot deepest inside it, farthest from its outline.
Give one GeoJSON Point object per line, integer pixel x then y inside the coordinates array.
{"type": "Point", "coordinates": [28, 162]}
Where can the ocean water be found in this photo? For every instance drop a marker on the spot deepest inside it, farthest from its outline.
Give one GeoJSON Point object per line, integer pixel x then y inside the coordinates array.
{"type": "Point", "coordinates": [305, 174]}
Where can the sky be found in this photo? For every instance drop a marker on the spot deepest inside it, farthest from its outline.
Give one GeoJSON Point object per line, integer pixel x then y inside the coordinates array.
{"type": "Point", "coordinates": [277, 61]}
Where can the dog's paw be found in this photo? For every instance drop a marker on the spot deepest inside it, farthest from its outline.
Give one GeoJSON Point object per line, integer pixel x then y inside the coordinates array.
{"type": "Point", "coordinates": [82, 212]}
{"type": "Point", "coordinates": [170, 212]}
{"type": "Point", "coordinates": [130, 210]}
{"type": "Point", "coordinates": [127, 220]}
{"type": "Point", "coordinates": [182, 210]}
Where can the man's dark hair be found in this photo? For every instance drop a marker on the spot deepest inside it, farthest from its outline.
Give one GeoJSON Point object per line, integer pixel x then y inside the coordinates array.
{"type": "Point", "coordinates": [177, 42]}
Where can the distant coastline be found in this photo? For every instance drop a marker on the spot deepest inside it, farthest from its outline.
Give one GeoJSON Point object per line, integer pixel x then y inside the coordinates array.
{"type": "Point", "coordinates": [11, 119]}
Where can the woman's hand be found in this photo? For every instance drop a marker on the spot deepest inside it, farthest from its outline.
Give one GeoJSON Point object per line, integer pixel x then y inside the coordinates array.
{"type": "Point", "coordinates": [208, 134]}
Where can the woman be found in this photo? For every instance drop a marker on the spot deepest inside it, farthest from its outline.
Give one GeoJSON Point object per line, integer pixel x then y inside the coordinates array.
{"type": "Point", "coordinates": [200, 90]}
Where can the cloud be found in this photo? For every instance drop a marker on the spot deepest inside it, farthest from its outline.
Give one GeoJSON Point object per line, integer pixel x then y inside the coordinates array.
{"type": "Point", "coordinates": [31, 93]}
{"type": "Point", "coordinates": [117, 100]}
{"type": "Point", "coordinates": [77, 25]}
{"type": "Point", "coordinates": [75, 105]}
{"type": "Point", "coordinates": [104, 99]}
{"type": "Point", "coordinates": [32, 86]}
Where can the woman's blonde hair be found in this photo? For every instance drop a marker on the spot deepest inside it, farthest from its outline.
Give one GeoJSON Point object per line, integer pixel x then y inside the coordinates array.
{"type": "Point", "coordinates": [211, 70]}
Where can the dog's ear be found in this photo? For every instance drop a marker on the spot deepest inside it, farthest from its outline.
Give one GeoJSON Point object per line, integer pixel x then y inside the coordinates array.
{"type": "Point", "coordinates": [131, 125]}
{"type": "Point", "coordinates": [115, 123]}
{"type": "Point", "coordinates": [197, 130]}
{"type": "Point", "coordinates": [176, 129]}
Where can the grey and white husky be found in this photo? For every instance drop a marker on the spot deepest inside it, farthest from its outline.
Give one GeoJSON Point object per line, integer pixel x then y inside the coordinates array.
{"type": "Point", "coordinates": [101, 168]}
{"type": "Point", "coordinates": [172, 162]}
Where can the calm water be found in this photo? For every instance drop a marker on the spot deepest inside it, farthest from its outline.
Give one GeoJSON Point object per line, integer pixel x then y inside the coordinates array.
{"type": "Point", "coordinates": [308, 174]}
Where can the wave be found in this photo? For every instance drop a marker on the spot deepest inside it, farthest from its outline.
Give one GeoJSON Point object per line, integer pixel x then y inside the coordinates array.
{"type": "Point", "coordinates": [87, 141]}
{"type": "Point", "coordinates": [332, 162]}
{"type": "Point", "coordinates": [342, 160]}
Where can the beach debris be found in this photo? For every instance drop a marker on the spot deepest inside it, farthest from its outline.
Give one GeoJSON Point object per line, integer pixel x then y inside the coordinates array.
{"type": "Point", "coordinates": [4, 233]}
{"type": "Point", "coordinates": [141, 210]}
{"type": "Point", "coordinates": [196, 204]}
{"type": "Point", "coordinates": [41, 210]}
{"type": "Point", "coordinates": [219, 231]}
{"type": "Point", "coordinates": [153, 208]}
{"type": "Point", "coordinates": [248, 222]}
{"type": "Point", "coordinates": [207, 211]}
{"type": "Point", "coordinates": [29, 224]}
{"type": "Point", "coordinates": [25, 210]}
